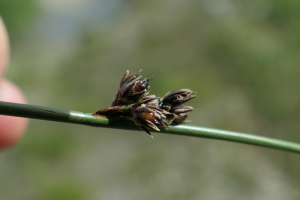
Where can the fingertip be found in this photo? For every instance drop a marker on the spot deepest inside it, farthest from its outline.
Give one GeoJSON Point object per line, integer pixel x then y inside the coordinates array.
{"type": "Point", "coordinates": [11, 128]}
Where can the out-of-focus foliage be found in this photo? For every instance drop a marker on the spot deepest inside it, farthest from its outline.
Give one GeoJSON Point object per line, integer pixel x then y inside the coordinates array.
{"type": "Point", "coordinates": [18, 15]}
{"type": "Point", "coordinates": [241, 57]}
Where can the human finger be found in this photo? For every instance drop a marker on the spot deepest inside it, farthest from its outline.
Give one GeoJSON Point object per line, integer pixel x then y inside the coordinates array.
{"type": "Point", "coordinates": [11, 128]}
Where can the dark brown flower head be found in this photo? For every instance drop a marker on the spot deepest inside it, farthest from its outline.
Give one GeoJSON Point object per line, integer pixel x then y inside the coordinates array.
{"type": "Point", "coordinates": [177, 97]}
{"type": "Point", "coordinates": [132, 102]}
{"type": "Point", "coordinates": [131, 90]}
{"type": "Point", "coordinates": [149, 116]}
{"type": "Point", "coordinates": [181, 113]}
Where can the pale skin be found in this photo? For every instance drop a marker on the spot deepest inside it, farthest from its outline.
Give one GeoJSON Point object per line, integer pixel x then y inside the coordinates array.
{"type": "Point", "coordinates": [11, 128]}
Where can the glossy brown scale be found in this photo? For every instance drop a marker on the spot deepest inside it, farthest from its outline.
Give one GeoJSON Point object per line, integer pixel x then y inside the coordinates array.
{"type": "Point", "coordinates": [140, 85]}
{"type": "Point", "coordinates": [182, 109]}
{"type": "Point", "coordinates": [155, 118]}
{"type": "Point", "coordinates": [180, 118]}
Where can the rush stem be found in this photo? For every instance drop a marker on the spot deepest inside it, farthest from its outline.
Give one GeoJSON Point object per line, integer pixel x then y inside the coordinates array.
{"type": "Point", "coordinates": [75, 117]}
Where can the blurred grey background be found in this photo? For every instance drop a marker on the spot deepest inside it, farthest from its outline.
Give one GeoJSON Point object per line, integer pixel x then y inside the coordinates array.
{"type": "Point", "coordinates": [241, 57]}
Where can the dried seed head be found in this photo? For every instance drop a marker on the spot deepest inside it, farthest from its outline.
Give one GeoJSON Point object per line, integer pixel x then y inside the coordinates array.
{"type": "Point", "coordinates": [131, 90]}
{"type": "Point", "coordinates": [150, 116]}
{"type": "Point", "coordinates": [177, 97]}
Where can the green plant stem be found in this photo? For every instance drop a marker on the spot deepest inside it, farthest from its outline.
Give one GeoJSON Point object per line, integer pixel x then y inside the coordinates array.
{"type": "Point", "coordinates": [74, 117]}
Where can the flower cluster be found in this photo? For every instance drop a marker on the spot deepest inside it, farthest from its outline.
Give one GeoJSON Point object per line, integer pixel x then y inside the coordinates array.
{"type": "Point", "coordinates": [148, 111]}
{"type": "Point", "coordinates": [131, 90]}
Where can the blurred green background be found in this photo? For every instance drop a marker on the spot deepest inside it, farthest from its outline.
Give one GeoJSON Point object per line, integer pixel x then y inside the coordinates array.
{"type": "Point", "coordinates": [241, 57]}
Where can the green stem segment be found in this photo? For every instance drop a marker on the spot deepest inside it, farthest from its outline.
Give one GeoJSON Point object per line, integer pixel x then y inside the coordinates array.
{"type": "Point", "coordinates": [74, 117]}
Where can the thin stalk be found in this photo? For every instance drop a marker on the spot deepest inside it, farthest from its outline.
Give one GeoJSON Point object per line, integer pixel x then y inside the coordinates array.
{"type": "Point", "coordinates": [75, 117]}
